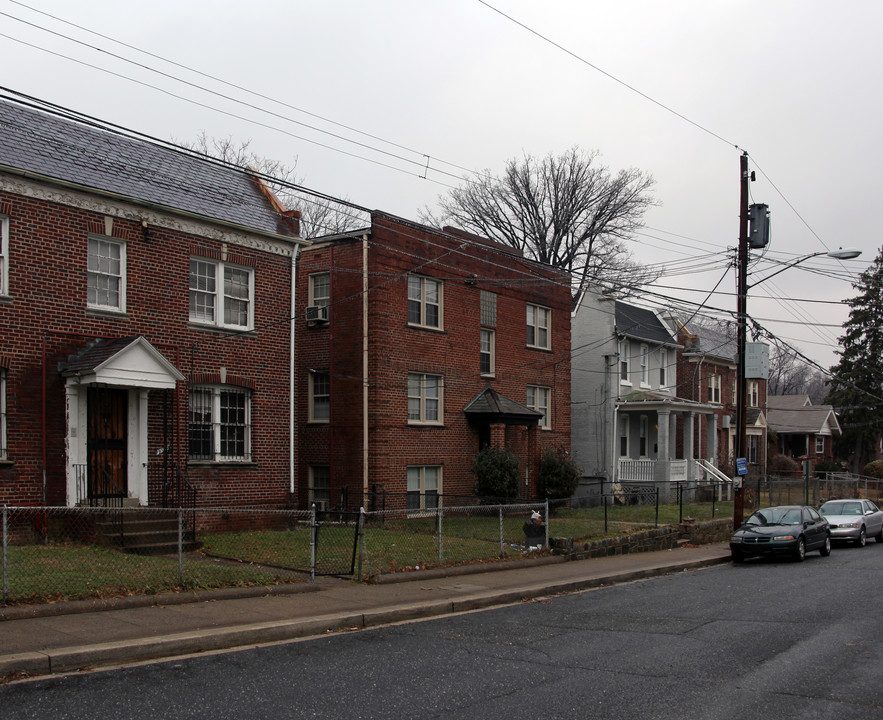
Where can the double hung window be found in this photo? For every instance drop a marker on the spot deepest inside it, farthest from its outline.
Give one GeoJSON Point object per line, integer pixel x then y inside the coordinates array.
{"type": "Point", "coordinates": [320, 289]}
{"type": "Point", "coordinates": [714, 388]}
{"type": "Point", "coordinates": [538, 326]}
{"type": "Point", "coordinates": [538, 399]}
{"type": "Point", "coordinates": [320, 397]}
{"type": "Point", "coordinates": [221, 294]}
{"type": "Point", "coordinates": [320, 486]}
{"type": "Point", "coordinates": [424, 486]}
{"type": "Point", "coordinates": [624, 361]}
{"type": "Point", "coordinates": [424, 398]}
{"type": "Point", "coordinates": [424, 302]}
{"type": "Point", "coordinates": [487, 351]}
{"type": "Point", "coordinates": [753, 394]}
{"type": "Point", "coordinates": [220, 423]}
{"type": "Point", "coordinates": [106, 276]}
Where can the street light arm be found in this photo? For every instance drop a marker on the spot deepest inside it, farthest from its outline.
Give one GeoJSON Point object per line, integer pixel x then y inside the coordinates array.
{"type": "Point", "coordinates": [841, 254]}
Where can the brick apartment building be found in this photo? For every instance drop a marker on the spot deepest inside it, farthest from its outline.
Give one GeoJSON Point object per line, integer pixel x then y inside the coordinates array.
{"type": "Point", "coordinates": [417, 347]}
{"type": "Point", "coordinates": [145, 320]}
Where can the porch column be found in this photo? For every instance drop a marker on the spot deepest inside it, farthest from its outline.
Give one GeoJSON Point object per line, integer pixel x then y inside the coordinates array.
{"type": "Point", "coordinates": [688, 436]}
{"type": "Point", "coordinates": [663, 439]}
{"type": "Point", "coordinates": [711, 429]}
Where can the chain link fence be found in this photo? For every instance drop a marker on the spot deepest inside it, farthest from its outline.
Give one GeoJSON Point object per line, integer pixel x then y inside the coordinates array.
{"type": "Point", "coordinates": [773, 490]}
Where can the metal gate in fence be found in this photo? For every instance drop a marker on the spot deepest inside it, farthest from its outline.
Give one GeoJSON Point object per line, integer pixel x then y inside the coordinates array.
{"type": "Point", "coordinates": [335, 542]}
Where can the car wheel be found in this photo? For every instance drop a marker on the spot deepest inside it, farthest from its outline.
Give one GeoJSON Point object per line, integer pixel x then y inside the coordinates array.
{"type": "Point", "coordinates": [737, 556]}
{"type": "Point", "coordinates": [825, 550]}
{"type": "Point", "coordinates": [800, 550]}
{"type": "Point", "coordinates": [861, 539]}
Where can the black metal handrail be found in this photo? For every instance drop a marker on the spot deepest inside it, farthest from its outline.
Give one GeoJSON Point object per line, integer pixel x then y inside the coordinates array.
{"type": "Point", "coordinates": [101, 491]}
{"type": "Point", "coordinates": [179, 493]}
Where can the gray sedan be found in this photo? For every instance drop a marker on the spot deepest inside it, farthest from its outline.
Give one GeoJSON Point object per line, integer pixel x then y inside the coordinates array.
{"type": "Point", "coordinates": [854, 520]}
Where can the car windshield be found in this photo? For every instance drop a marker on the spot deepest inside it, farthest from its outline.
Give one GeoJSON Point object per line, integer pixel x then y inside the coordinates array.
{"type": "Point", "coordinates": [841, 508]}
{"type": "Point", "coordinates": [775, 516]}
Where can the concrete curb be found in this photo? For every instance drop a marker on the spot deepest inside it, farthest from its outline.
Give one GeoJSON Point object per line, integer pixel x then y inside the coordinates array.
{"type": "Point", "coordinates": [69, 659]}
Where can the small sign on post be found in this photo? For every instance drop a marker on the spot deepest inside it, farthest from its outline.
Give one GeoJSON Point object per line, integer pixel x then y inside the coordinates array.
{"type": "Point", "coordinates": [741, 466]}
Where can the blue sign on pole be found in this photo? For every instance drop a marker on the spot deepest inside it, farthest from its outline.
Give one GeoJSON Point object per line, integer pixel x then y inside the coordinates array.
{"type": "Point", "coordinates": [741, 466]}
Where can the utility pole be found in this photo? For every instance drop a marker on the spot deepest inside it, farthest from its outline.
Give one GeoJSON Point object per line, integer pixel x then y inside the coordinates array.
{"type": "Point", "coordinates": [742, 328]}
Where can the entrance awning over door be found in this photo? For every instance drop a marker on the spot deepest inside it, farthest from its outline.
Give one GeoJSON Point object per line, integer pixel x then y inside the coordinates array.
{"type": "Point", "coordinates": [491, 407]}
{"type": "Point", "coordinates": [128, 362]}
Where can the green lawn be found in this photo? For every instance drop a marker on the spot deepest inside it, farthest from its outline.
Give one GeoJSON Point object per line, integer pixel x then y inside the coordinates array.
{"type": "Point", "coordinates": [41, 573]}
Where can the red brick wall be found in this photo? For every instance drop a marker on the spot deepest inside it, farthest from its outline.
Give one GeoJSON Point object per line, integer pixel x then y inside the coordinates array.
{"type": "Point", "coordinates": [45, 320]}
{"type": "Point", "coordinates": [395, 349]}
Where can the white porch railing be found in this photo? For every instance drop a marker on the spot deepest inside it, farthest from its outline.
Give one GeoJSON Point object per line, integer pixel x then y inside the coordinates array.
{"type": "Point", "coordinates": [645, 470]}
{"type": "Point", "coordinates": [636, 470]}
{"type": "Point", "coordinates": [677, 470]}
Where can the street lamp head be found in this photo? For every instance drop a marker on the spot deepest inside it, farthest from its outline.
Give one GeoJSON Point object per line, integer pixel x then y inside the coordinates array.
{"type": "Point", "coordinates": [844, 253]}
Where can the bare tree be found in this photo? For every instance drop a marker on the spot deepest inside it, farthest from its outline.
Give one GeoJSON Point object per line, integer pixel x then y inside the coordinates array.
{"type": "Point", "coordinates": [791, 375]}
{"type": "Point", "coordinates": [569, 211]}
{"type": "Point", "coordinates": [320, 214]}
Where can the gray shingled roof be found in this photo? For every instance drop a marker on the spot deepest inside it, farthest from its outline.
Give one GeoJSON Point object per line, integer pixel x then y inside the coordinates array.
{"type": "Point", "coordinates": [96, 159]}
{"type": "Point", "coordinates": [642, 324]}
{"type": "Point", "coordinates": [715, 344]}
{"type": "Point", "coordinates": [94, 354]}
{"type": "Point", "coordinates": [491, 406]}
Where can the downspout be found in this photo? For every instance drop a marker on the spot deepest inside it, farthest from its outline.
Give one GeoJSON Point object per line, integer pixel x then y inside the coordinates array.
{"type": "Point", "coordinates": [364, 366]}
{"type": "Point", "coordinates": [291, 374]}
{"type": "Point", "coordinates": [43, 423]}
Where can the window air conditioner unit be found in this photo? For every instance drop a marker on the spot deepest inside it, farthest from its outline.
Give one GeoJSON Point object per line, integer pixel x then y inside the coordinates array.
{"type": "Point", "coordinates": [725, 422]}
{"type": "Point", "coordinates": [321, 505]}
{"type": "Point", "coordinates": [317, 314]}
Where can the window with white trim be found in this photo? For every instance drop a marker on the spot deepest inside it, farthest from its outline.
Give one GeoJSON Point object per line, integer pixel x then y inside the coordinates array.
{"type": "Point", "coordinates": [320, 289]}
{"type": "Point", "coordinates": [486, 351]}
{"type": "Point", "coordinates": [3, 446]}
{"type": "Point", "coordinates": [425, 399]}
{"type": "Point", "coordinates": [624, 361]}
{"type": "Point", "coordinates": [663, 367]}
{"type": "Point", "coordinates": [753, 393]}
{"type": "Point", "coordinates": [753, 445]}
{"type": "Point", "coordinates": [624, 436]}
{"type": "Point", "coordinates": [424, 486]}
{"type": "Point", "coordinates": [4, 255]}
{"type": "Point", "coordinates": [424, 302]}
{"type": "Point", "coordinates": [714, 388]}
{"type": "Point", "coordinates": [220, 423]}
{"type": "Point", "coordinates": [106, 276]}
{"type": "Point", "coordinates": [645, 369]}
{"type": "Point", "coordinates": [643, 434]}
{"type": "Point", "coordinates": [319, 486]}
{"type": "Point", "coordinates": [320, 397]}
{"type": "Point", "coordinates": [221, 294]}
{"type": "Point", "coordinates": [820, 444]}
{"type": "Point", "coordinates": [538, 326]}
{"type": "Point", "coordinates": [538, 398]}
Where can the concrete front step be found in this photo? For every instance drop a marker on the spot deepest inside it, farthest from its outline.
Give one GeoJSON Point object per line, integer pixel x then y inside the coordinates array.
{"type": "Point", "coordinates": [151, 533]}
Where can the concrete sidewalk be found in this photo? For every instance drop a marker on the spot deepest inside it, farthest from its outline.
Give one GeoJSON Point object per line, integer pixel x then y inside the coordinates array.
{"type": "Point", "coordinates": [64, 637]}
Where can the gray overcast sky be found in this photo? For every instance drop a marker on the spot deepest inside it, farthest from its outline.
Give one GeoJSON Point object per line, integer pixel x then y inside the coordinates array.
{"type": "Point", "coordinates": [795, 83]}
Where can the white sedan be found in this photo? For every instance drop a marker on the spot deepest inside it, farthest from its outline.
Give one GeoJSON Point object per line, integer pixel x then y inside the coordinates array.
{"type": "Point", "coordinates": [854, 520]}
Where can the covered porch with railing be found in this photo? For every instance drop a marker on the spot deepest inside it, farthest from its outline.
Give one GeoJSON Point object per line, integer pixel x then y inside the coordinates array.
{"type": "Point", "coordinates": [650, 449]}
